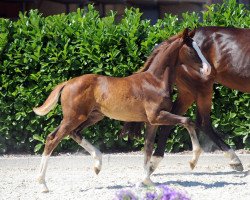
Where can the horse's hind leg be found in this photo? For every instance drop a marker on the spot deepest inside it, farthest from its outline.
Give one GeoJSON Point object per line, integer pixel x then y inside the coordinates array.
{"type": "Point", "coordinates": [204, 122]}
{"type": "Point", "coordinates": [52, 141]}
{"type": "Point", "coordinates": [149, 167]}
{"type": "Point", "coordinates": [94, 152]}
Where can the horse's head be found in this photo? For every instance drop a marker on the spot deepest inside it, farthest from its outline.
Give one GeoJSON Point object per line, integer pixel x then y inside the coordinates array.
{"type": "Point", "coordinates": [191, 55]}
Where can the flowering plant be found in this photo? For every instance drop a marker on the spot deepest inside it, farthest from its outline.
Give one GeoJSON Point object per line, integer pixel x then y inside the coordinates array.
{"type": "Point", "coordinates": [161, 192]}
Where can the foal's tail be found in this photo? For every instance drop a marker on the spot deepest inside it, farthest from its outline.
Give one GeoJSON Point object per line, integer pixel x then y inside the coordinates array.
{"type": "Point", "coordinates": [51, 101]}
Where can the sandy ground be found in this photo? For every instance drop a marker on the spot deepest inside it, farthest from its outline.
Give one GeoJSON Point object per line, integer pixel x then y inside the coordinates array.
{"type": "Point", "coordinates": [72, 177]}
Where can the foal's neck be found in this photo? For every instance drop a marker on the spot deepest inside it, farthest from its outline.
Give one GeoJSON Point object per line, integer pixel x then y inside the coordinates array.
{"type": "Point", "coordinates": [163, 68]}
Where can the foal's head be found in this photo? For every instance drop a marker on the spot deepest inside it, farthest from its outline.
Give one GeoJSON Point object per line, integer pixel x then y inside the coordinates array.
{"type": "Point", "coordinates": [164, 49]}
{"type": "Point", "coordinates": [189, 53]}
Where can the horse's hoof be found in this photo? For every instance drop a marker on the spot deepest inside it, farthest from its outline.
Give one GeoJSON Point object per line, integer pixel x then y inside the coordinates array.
{"type": "Point", "coordinates": [237, 166]}
{"type": "Point", "coordinates": [97, 170]}
{"type": "Point", "coordinates": [192, 165]}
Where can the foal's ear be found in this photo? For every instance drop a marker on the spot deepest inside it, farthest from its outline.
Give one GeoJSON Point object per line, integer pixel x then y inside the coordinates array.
{"type": "Point", "coordinates": [185, 34]}
{"type": "Point", "coordinates": [186, 37]}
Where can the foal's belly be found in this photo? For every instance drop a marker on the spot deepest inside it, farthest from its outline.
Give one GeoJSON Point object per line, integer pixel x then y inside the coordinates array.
{"type": "Point", "coordinates": [125, 112]}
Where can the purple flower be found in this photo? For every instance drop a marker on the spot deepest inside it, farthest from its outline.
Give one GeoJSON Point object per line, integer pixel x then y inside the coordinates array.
{"type": "Point", "coordinates": [151, 196]}
{"type": "Point", "coordinates": [171, 194]}
{"type": "Point", "coordinates": [125, 195]}
{"type": "Point", "coordinates": [162, 192]}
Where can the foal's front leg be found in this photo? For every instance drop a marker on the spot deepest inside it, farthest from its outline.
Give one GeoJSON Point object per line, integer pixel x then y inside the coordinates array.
{"type": "Point", "coordinates": [166, 118]}
{"type": "Point", "coordinates": [183, 102]}
{"type": "Point", "coordinates": [149, 166]}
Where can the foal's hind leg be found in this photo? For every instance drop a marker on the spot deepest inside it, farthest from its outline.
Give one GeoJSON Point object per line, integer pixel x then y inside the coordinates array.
{"type": "Point", "coordinates": [52, 141]}
{"type": "Point", "coordinates": [44, 164]}
{"type": "Point", "coordinates": [94, 152]}
{"type": "Point", "coordinates": [166, 118]}
{"type": "Point", "coordinates": [149, 167]}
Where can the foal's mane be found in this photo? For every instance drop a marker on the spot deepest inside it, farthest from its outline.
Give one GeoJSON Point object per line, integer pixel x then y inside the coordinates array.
{"type": "Point", "coordinates": [158, 49]}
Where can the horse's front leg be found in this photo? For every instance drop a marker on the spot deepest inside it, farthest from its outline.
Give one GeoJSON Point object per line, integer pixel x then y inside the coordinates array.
{"type": "Point", "coordinates": [204, 122]}
{"type": "Point", "coordinates": [149, 166]}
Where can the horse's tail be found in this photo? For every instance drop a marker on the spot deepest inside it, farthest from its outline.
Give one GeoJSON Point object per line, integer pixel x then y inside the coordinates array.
{"type": "Point", "coordinates": [51, 101]}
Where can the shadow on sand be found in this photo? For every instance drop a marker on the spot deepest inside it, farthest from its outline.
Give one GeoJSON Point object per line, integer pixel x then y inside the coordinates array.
{"type": "Point", "coordinates": [237, 174]}
{"type": "Point", "coordinates": [183, 183]}
{"type": "Point", "coordinates": [217, 184]}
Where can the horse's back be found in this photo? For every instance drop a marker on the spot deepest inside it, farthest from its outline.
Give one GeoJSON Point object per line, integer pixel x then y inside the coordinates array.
{"type": "Point", "coordinates": [235, 38]}
{"type": "Point", "coordinates": [228, 50]}
{"type": "Point", "coordinates": [210, 30]}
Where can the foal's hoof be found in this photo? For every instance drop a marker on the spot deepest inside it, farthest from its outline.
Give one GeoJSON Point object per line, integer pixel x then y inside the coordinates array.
{"type": "Point", "coordinates": [98, 165]}
{"type": "Point", "coordinates": [97, 170]}
{"type": "Point", "coordinates": [42, 184]}
{"type": "Point", "coordinates": [148, 182]}
{"type": "Point", "coordinates": [192, 165]}
{"type": "Point", "coordinates": [44, 188]}
{"type": "Point", "coordinates": [237, 166]}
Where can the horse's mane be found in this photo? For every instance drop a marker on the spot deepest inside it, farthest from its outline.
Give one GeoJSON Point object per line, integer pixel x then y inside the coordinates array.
{"type": "Point", "coordinates": [158, 49]}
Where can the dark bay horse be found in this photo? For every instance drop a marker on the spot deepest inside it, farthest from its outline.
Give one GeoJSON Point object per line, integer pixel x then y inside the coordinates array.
{"type": "Point", "coordinates": [141, 97]}
{"type": "Point", "coordinates": [228, 52]}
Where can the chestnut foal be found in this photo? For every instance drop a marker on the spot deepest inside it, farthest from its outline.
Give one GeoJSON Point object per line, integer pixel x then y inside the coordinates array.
{"type": "Point", "coordinates": [141, 97]}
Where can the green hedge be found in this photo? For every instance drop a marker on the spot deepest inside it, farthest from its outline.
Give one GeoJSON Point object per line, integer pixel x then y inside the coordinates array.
{"type": "Point", "coordinates": [37, 53]}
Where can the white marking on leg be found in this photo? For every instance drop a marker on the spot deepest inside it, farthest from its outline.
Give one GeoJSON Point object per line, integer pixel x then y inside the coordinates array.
{"type": "Point", "coordinates": [148, 171]}
{"type": "Point", "coordinates": [196, 148]}
{"type": "Point", "coordinates": [206, 67]}
{"type": "Point", "coordinates": [149, 168]}
{"type": "Point", "coordinates": [154, 162]}
{"type": "Point", "coordinates": [95, 153]}
{"type": "Point", "coordinates": [235, 162]}
{"type": "Point", "coordinates": [42, 173]}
